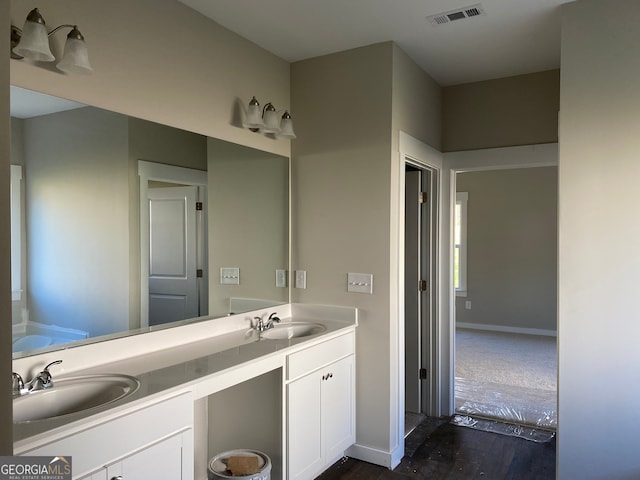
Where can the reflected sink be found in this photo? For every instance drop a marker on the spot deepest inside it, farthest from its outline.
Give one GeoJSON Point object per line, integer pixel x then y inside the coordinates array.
{"type": "Point", "coordinates": [72, 395]}
{"type": "Point", "coordinates": [286, 331]}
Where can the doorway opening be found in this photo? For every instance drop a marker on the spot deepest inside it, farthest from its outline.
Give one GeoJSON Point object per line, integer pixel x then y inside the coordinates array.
{"type": "Point", "coordinates": [420, 290]}
{"type": "Point", "coordinates": [173, 243]}
{"type": "Point", "coordinates": [505, 280]}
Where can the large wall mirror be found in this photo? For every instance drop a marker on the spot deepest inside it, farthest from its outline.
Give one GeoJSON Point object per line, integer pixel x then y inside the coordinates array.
{"type": "Point", "coordinates": [120, 225]}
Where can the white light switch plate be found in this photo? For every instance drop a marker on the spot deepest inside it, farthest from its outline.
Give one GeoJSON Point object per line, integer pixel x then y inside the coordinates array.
{"type": "Point", "coordinates": [281, 278]}
{"type": "Point", "coordinates": [229, 276]}
{"type": "Point", "coordinates": [360, 283]}
{"type": "Point", "coordinates": [301, 279]}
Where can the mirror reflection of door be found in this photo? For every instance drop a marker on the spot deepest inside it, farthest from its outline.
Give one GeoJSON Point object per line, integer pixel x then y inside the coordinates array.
{"type": "Point", "coordinates": [173, 253]}
{"type": "Point", "coordinates": [173, 243]}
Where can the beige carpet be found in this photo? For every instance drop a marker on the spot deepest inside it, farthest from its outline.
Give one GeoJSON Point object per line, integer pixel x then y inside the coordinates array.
{"type": "Point", "coordinates": [506, 376]}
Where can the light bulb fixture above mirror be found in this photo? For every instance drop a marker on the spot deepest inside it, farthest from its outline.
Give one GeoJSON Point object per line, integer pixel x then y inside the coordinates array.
{"type": "Point", "coordinates": [32, 42]}
{"type": "Point", "coordinates": [268, 120]}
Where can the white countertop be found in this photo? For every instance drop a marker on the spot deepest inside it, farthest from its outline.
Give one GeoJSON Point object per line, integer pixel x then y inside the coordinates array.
{"type": "Point", "coordinates": [199, 367]}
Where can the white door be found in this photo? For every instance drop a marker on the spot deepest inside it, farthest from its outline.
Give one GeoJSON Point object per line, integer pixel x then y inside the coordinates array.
{"type": "Point", "coordinates": [420, 285]}
{"type": "Point", "coordinates": [173, 284]}
{"type": "Point", "coordinates": [412, 272]}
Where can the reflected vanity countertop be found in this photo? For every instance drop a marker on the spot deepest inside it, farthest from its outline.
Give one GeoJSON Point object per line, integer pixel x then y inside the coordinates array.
{"type": "Point", "coordinates": [198, 368]}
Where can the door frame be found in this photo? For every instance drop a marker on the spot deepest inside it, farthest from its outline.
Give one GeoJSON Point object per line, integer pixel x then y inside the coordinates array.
{"type": "Point", "coordinates": [171, 174]}
{"type": "Point", "coordinates": [443, 367]}
{"type": "Point", "coordinates": [417, 153]}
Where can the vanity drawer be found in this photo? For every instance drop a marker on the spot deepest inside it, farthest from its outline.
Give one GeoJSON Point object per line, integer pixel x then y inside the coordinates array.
{"type": "Point", "coordinates": [312, 358]}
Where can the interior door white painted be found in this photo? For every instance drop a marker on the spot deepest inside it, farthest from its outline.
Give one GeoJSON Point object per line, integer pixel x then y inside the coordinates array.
{"type": "Point", "coordinates": [420, 231]}
{"type": "Point", "coordinates": [412, 273]}
{"type": "Point", "coordinates": [173, 284]}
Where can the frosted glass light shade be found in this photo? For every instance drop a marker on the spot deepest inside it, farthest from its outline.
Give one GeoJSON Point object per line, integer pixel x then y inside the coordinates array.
{"type": "Point", "coordinates": [271, 120]}
{"type": "Point", "coordinates": [254, 115]}
{"type": "Point", "coordinates": [34, 43]}
{"type": "Point", "coordinates": [286, 127]}
{"type": "Point", "coordinates": [75, 58]}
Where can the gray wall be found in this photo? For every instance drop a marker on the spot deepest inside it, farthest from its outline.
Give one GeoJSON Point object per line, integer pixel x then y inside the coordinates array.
{"type": "Point", "coordinates": [340, 180]}
{"type": "Point", "coordinates": [512, 248]}
{"type": "Point", "coordinates": [248, 214]}
{"type": "Point", "coordinates": [6, 420]}
{"type": "Point", "coordinates": [417, 102]}
{"type": "Point", "coordinates": [77, 220]}
{"type": "Point", "coordinates": [599, 233]}
{"type": "Point", "coordinates": [520, 110]}
{"type": "Point", "coordinates": [341, 177]}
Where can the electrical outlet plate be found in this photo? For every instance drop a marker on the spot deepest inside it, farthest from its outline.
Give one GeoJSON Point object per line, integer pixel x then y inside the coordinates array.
{"type": "Point", "coordinates": [360, 283]}
{"type": "Point", "coordinates": [229, 276]}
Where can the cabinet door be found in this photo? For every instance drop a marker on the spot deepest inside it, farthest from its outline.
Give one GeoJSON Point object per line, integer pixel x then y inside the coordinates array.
{"type": "Point", "coordinates": [338, 405]}
{"type": "Point", "coordinates": [304, 441]}
{"type": "Point", "coordinates": [161, 461]}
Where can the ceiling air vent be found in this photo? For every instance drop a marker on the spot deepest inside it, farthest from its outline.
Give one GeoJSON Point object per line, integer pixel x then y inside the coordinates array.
{"type": "Point", "coordinates": [459, 14]}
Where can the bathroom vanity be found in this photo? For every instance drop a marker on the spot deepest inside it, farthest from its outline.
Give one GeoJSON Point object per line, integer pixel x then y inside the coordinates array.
{"type": "Point", "coordinates": [205, 388]}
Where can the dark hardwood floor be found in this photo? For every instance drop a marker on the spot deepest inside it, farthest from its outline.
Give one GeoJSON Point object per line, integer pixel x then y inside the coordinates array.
{"type": "Point", "coordinates": [439, 450]}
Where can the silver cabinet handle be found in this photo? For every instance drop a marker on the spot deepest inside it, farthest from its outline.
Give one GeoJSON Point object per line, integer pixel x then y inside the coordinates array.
{"type": "Point", "coordinates": [119, 477]}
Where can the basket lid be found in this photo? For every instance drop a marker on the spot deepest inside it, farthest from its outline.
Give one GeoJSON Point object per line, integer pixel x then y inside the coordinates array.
{"type": "Point", "coordinates": [218, 464]}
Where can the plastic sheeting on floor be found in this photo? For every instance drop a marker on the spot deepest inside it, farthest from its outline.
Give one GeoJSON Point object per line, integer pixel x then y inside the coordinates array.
{"type": "Point", "coordinates": [528, 433]}
{"type": "Point", "coordinates": [508, 403]}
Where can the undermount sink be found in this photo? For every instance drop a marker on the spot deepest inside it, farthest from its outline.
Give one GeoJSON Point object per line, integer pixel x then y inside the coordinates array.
{"type": "Point", "coordinates": [285, 331]}
{"type": "Point", "coordinates": [72, 395]}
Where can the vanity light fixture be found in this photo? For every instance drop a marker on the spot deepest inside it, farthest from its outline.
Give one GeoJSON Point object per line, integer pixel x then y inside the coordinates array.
{"type": "Point", "coordinates": [268, 120]}
{"type": "Point", "coordinates": [32, 42]}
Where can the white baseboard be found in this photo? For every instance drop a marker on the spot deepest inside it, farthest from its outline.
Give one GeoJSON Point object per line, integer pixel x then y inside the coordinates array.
{"type": "Point", "coordinates": [507, 329]}
{"type": "Point", "coordinates": [378, 457]}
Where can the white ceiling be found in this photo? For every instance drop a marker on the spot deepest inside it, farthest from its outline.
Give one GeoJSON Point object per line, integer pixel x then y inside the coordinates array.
{"type": "Point", "coordinates": [513, 38]}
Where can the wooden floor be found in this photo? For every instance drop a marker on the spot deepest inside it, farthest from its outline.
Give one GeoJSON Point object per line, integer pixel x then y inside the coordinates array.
{"type": "Point", "coordinates": [439, 450]}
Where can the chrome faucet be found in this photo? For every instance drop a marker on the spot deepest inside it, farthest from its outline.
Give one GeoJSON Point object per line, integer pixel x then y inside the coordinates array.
{"type": "Point", "coordinates": [17, 387]}
{"type": "Point", "coordinates": [41, 381]}
{"type": "Point", "coordinates": [272, 318]}
{"type": "Point", "coordinates": [262, 324]}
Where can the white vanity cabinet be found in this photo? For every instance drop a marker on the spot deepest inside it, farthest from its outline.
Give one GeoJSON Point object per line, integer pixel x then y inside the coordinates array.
{"type": "Point", "coordinates": [160, 461]}
{"type": "Point", "coordinates": [208, 390]}
{"type": "Point", "coordinates": [320, 406]}
{"type": "Point", "coordinates": [153, 442]}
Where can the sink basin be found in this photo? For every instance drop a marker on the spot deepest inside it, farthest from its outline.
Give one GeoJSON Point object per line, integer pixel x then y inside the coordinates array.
{"type": "Point", "coordinates": [285, 331]}
{"type": "Point", "coordinates": [72, 395]}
